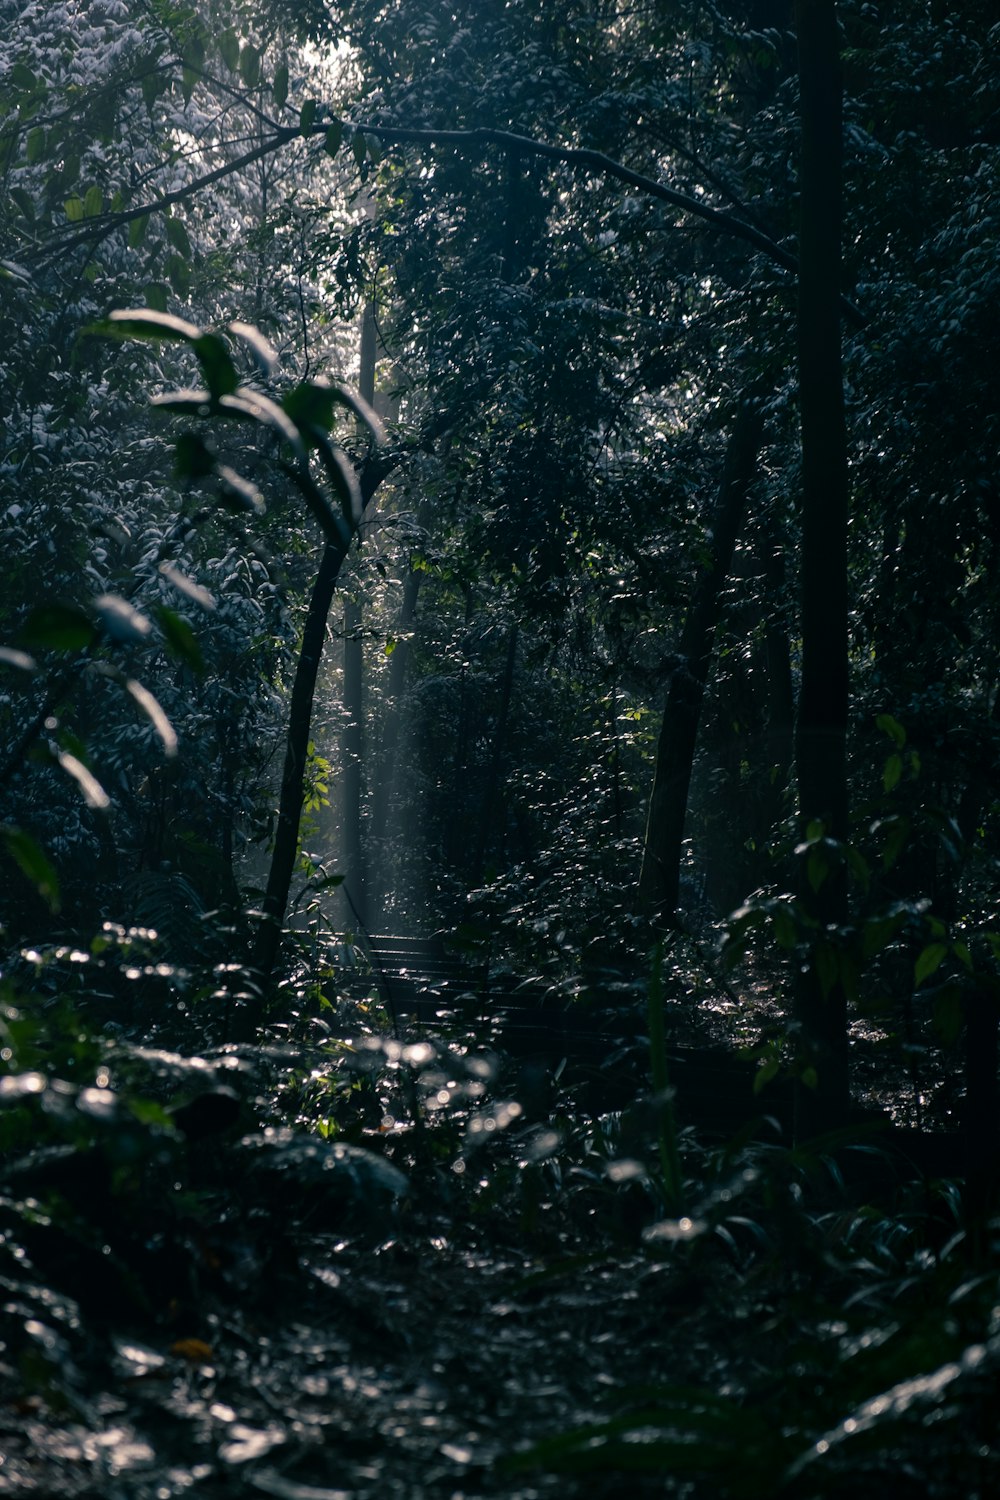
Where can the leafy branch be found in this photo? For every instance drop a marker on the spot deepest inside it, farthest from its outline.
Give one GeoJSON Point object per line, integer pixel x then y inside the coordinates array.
{"type": "Point", "coordinates": [332, 130]}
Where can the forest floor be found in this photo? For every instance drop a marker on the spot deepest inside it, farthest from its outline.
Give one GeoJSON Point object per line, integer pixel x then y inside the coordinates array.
{"type": "Point", "coordinates": [410, 1369]}
{"type": "Point", "coordinates": [526, 1320]}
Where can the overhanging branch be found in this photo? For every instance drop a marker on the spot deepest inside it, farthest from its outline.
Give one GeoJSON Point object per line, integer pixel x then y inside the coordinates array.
{"type": "Point", "coordinates": [572, 156]}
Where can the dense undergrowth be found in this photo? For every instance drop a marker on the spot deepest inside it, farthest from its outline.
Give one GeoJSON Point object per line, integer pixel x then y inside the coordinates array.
{"type": "Point", "coordinates": [348, 1262]}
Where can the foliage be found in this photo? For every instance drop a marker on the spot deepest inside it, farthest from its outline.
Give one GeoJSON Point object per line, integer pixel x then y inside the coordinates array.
{"type": "Point", "coordinates": [575, 238]}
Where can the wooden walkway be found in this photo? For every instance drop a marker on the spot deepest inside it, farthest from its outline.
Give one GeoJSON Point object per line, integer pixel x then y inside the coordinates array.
{"type": "Point", "coordinates": [428, 989]}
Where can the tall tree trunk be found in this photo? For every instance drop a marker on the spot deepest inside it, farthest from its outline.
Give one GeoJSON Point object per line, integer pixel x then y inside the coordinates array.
{"type": "Point", "coordinates": [286, 837]}
{"type": "Point", "coordinates": [352, 762]}
{"type": "Point", "coordinates": [821, 731]}
{"type": "Point", "coordinates": [494, 777]}
{"type": "Point", "coordinates": [352, 745]}
{"type": "Point", "coordinates": [392, 723]}
{"type": "Point", "coordinates": [659, 878]}
{"type": "Point", "coordinates": [778, 666]}
{"type": "Point", "coordinates": [458, 839]}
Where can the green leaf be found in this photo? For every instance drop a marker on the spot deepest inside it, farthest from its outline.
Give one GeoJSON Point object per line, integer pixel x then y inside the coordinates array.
{"type": "Point", "coordinates": [893, 771]}
{"type": "Point", "coordinates": [24, 201]}
{"type": "Point", "coordinates": [20, 660]}
{"type": "Point", "coordinates": [180, 640]}
{"type": "Point", "coordinates": [310, 405]}
{"type": "Point", "coordinates": [359, 147]}
{"type": "Point", "coordinates": [280, 86]}
{"type": "Point", "coordinates": [307, 116]}
{"type": "Point", "coordinates": [178, 236]}
{"type": "Point", "coordinates": [194, 62]}
{"type": "Point", "coordinates": [249, 65]}
{"type": "Point", "coordinates": [185, 403]}
{"type": "Point", "coordinates": [217, 365]}
{"type": "Point", "coordinates": [122, 622]}
{"type": "Point", "coordinates": [34, 863]}
{"type": "Point", "coordinates": [156, 296]}
{"type": "Point", "coordinates": [152, 85]}
{"type": "Point", "coordinates": [785, 934]}
{"type": "Point", "coordinates": [229, 50]}
{"type": "Point", "coordinates": [58, 627]}
{"type": "Point", "coordinates": [74, 210]}
{"type": "Point", "coordinates": [35, 145]}
{"type": "Point", "coordinates": [144, 323]}
{"type": "Point", "coordinates": [817, 866]}
{"type": "Point", "coordinates": [23, 78]}
{"type": "Point", "coordinates": [187, 586]}
{"type": "Point", "coordinates": [897, 832]}
{"type": "Point", "coordinates": [928, 961]}
{"type": "Point", "coordinates": [93, 793]}
{"type": "Point", "coordinates": [93, 202]}
{"type": "Point", "coordinates": [154, 713]}
{"type": "Point", "coordinates": [333, 138]}
{"type": "Point", "coordinates": [892, 728]}
{"type": "Point", "coordinates": [137, 231]}
{"type": "Point", "coordinates": [179, 273]}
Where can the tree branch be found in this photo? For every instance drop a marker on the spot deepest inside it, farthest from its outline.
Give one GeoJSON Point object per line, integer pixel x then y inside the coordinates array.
{"type": "Point", "coordinates": [104, 224]}
{"type": "Point", "coordinates": [573, 156]}
{"type": "Point", "coordinates": [583, 156]}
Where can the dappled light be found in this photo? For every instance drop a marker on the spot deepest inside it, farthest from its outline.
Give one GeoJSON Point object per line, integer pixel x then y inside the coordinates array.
{"type": "Point", "coordinates": [499, 728]}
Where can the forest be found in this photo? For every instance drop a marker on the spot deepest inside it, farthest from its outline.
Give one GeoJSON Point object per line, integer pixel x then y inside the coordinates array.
{"type": "Point", "coordinates": [499, 739]}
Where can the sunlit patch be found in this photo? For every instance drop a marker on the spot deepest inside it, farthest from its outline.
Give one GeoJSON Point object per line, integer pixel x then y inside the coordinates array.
{"type": "Point", "coordinates": [247, 1443]}
{"type": "Point", "coordinates": [625, 1170]}
{"type": "Point", "coordinates": [668, 1230]}
{"type": "Point", "coordinates": [139, 1359]}
{"type": "Point", "coordinates": [23, 1083]}
{"type": "Point", "coordinates": [490, 1121]}
{"type": "Point", "coordinates": [101, 1104]}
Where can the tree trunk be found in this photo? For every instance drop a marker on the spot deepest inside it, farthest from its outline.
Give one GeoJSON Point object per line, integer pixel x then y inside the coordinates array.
{"type": "Point", "coordinates": [982, 1098]}
{"type": "Point", "coordinates": [352, 764]}
{"type": "Point", "coordinates": [659, 878]}
{"type": "Point", "coordinates": [352, 747]}
{"type": "Point", "coordinates": [780, 742]}
{"type": "Point", "coordinates": [821, 731]}
{"type": "Point", "coordinates": [382, 825]}
{"type": "Point", "coordinates": [286, 837]}
{"type": "Point", "coordinates": [494, 777]}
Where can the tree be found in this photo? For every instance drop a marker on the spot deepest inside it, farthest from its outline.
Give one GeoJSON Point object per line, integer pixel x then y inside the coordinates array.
{"type": "Point", "coordinates": [583, 247]}
{"type": "Point", "coordinates": [659, 880]}
{"type": "Point", "coordinates": [821, 729]}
